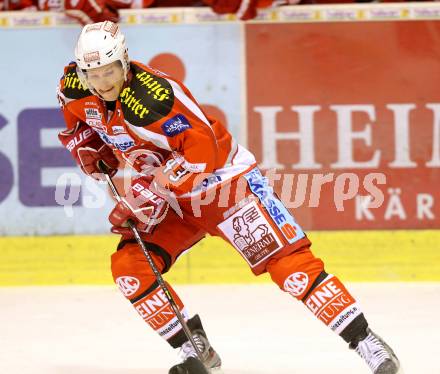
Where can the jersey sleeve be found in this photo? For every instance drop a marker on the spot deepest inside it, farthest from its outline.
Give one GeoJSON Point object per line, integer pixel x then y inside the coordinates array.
{"type": "Point", "coordinates": [192, 141]}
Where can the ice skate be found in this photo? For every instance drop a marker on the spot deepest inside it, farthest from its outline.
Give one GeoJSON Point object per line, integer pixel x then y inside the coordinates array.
{"type": "Point", "coordinates": [378, 355]}
{"type": "Point", "coordinates": [187, 352]}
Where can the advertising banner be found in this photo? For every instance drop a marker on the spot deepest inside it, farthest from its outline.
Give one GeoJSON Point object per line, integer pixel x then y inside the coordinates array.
{"type": "Point", "coordinates": [348, 114]}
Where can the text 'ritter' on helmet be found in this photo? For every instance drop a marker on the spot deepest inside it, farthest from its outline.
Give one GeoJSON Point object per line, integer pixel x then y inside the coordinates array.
{"type": "Point", "coordinates": [100, 44]}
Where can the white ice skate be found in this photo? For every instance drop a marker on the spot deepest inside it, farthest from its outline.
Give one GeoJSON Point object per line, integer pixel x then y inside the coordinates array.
{"type": "Point", "coordinates": [210, 357]}
{"type": "Point", "coordinates": [378, 355]}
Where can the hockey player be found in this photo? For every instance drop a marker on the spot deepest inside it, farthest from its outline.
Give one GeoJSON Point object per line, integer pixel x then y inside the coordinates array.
{"type": "Point", "coordinates": [191, 179]}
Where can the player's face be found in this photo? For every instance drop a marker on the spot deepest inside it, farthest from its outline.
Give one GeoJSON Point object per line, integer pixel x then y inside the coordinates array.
{"type": "Point", "coordinates": [107, 80]}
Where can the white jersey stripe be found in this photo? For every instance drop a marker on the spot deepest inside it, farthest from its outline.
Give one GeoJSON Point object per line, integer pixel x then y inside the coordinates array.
{"type": "Point", "coordinates": [242, 161]}
{"type": "Point", "coordinates": [234, 148]}
{"type": "Point", "coordinates": [178, 92]}
{"type": "Point", "coordinates": [158, 140]}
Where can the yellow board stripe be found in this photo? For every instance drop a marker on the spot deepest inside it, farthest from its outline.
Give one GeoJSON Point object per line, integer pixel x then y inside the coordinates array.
{"type": "Point", "coordinates": [353, 255]}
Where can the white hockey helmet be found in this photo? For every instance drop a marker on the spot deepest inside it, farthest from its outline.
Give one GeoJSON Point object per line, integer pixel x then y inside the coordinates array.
{"type": "Point", "coordinates": [100, 44]}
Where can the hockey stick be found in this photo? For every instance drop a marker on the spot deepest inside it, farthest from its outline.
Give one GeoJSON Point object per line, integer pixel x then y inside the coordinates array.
{"type": "Point", "coordinates": [103, 168]}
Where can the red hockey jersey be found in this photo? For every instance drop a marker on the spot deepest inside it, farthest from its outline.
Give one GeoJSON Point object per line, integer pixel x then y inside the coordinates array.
{"type": "Point", "coordinates": [157, 115]}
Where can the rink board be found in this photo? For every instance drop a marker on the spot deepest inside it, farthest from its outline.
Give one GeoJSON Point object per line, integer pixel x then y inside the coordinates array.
{"type": "Point", "coordinates": [352, 255]}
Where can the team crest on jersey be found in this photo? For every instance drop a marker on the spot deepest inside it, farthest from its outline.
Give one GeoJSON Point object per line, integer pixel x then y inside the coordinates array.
{"type": "Point", "coordinates": [251, 234]}
{"type": "Point", "coordinates": [128, 285]}
{"type": "Point", "coordinates": [296, 283]}
{"type": "Point", "coordinates": [175, 125]}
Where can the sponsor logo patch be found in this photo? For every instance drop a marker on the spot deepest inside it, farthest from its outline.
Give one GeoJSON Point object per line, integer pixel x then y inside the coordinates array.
{"type": "Point", "coordinates": [92, 113]}
{"type": "Point", "coordinates": [175, 125]}
{"type": "Point", "coordinates": [147, 99]}
{"type": "Point", "coordinates": [118, 130]}
{"type": "Point", "coordinates": [296, 283]}
{"type": "Point", "coordinates": [155, 86]}
{"type": "Point", "coordinates": [72, 81]}
{"type": "Point", "coordinates": [208, 182]}
{"type": "Point", "coordinates": [158, 313]}
{"type": "Point", "coordinates": [72, 87]}
{"type": "Point", "coordinates": [94, 118]}
{"type": "Point", "coordinates": [251, 234]}
{"type": "Point", "coordinates": [123, 142]}
{"type": "Point", "coordinates": [128, 96]}
{"type": "Point", "coordinates": [332, 304]}
{"type": "Point", "coordinates": [277, 211]}
{"type": "Point", "coordinates": [128, 285]}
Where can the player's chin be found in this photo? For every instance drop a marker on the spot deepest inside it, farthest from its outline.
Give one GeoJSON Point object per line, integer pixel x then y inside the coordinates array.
{"type": "Point", "coordinates": [109, 95]}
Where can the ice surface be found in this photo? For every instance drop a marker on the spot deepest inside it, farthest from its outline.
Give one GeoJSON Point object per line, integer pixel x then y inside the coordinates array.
{"type": "Point", "coordinates": [257, 329]}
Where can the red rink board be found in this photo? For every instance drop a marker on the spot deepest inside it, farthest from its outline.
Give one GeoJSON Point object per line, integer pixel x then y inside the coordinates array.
{"type": "Point", "coordinates": [371, 86]}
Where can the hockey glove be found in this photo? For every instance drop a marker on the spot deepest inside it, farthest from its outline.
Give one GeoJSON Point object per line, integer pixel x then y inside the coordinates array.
{"type": "Point", "coordinates": [28, 5]}
{"type": "Point", "coordinates": [87, 148]}
{"type": "Point", "coordinates": [243, 9]}
{"type": "Point", "coordinates": [141, 205]}
{"type": "Point", "coordinates": [91, 11]}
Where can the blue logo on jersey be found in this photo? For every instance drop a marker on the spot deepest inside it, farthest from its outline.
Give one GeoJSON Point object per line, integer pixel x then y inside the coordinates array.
{"type": "Point", "coordinates": [122, 142]}
{"type": "Point", "coordinates": [175, 125]}
{"type": "Point", "coordinates": [276, 209]}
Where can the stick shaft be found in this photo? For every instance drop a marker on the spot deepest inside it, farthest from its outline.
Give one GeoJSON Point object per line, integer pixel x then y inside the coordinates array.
{"type": "Point", "coordinates": [156, 272]}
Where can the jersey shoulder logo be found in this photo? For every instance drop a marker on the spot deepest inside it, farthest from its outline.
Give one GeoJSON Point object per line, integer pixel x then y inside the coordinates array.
{"type": "Point", "coordinates": [175, 125]}
{"type": "Point", "coordinates": [73, 88]}
{"type": "Point", "coordinates": [147, 99]}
